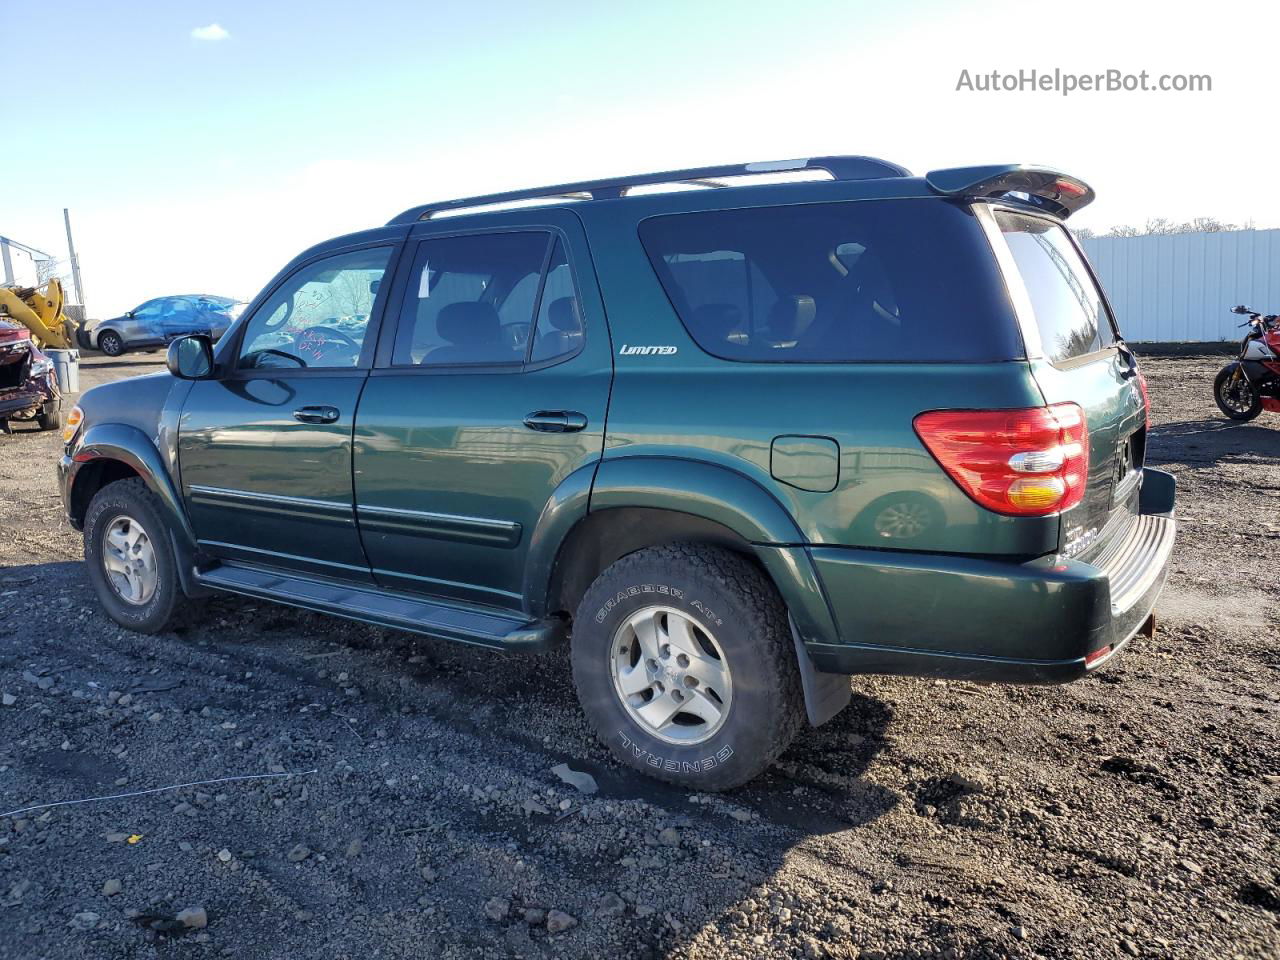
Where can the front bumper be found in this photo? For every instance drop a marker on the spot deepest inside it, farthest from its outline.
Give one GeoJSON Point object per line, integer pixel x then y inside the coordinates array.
{"type": "Point", "coordinates": [982, 619]}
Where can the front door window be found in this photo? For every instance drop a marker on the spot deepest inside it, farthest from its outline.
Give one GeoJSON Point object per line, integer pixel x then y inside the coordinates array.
{"type": "Point", "coordinates": [317, 318]}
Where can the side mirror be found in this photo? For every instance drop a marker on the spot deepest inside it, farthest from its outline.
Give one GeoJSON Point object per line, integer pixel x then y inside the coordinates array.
{"type": "Point", "coordinates": [129, 314]}
{"type": "Point", "coordinates": [191, 358]}
{"type": "Point", "coordinates": [1240, 309]}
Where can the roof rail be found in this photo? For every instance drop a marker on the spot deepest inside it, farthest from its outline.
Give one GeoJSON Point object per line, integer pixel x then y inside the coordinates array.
{"type": "Point", "coordinates": [840, 168]}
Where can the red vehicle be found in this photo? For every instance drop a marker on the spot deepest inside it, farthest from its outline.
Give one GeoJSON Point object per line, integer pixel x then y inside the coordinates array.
{"type": "Point", "coordinates": [1251, 383]}
{"type": "Point", "coordinates": [28, 387]}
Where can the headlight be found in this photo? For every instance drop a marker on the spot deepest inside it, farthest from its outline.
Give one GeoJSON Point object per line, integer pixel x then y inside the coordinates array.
{"type": "Point", "coordinates": [40, 366]}
{"type": "Point", "coordinates": [72, 426]}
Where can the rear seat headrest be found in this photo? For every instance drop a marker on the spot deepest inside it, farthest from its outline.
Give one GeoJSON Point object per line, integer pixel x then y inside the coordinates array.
{"type": "Point", "coordinates": [564, 316]}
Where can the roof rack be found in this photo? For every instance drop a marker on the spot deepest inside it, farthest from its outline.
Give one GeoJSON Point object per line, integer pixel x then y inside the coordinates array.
{"type": "Point", "coordinates": [840, 168]}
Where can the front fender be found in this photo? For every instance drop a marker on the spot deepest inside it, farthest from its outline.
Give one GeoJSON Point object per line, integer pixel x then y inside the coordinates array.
{"type": "Point", "coordinates": [129, 445]}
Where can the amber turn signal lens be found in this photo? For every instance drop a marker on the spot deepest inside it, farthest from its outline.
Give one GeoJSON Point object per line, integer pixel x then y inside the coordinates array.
{"type": "Point", "coordinates": [72, 426]}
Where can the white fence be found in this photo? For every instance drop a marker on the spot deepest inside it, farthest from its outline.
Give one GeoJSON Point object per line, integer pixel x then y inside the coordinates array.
{"type": "Point", "coordinates": [1181, 287]}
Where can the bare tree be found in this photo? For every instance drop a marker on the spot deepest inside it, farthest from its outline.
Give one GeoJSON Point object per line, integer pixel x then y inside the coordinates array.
{"type": "Point", "coordinates": [1163, 227]}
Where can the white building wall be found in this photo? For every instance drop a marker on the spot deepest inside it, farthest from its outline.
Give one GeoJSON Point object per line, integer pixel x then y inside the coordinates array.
{"type": "Point", "coordinates": [1181, 287]}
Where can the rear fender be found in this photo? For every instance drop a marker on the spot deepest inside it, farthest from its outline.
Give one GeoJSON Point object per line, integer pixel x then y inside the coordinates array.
{"type": "Point", "coordinates": [732, 500]}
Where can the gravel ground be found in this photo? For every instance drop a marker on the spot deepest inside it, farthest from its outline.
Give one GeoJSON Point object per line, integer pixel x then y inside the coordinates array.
{"type": "Point", "coordinates": [1131, 814]}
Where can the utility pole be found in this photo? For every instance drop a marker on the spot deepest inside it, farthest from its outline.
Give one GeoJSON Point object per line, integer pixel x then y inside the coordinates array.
{"type": "Point", "coordinates": [75, 261]}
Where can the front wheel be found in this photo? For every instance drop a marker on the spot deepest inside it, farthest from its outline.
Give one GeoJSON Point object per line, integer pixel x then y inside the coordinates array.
{"type": "Point", "coordinates": [129, 557]}
{"type": "Point", "coordinates": [1236, 395]}
{"type": "Point", "coordinates": [684, 664]}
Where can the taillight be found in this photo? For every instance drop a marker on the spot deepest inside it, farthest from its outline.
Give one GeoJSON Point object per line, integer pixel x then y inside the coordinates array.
{"type": "Point", "coordinates": [1025, 463]}
{"type": "Point", "coordinates": [1146, 397]}
{"type": "Point", "coordinates": [1069, 187]}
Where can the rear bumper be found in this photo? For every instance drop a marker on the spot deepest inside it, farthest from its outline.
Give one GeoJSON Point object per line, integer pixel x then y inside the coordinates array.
{"type": "Point", "coordinates": [981, 619]}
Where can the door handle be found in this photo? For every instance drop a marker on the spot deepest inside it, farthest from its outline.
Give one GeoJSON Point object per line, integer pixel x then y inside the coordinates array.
{"type": "Point", "coordinates": [556, 421]}
{"type": "Point", "coordinates": [318, 414]}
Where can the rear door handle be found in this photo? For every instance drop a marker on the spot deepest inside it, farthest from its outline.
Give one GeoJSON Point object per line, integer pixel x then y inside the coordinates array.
{"type": "Point", "coordinates": [556, 421]}
{"type": "Point", "coordinates": [318, 414]}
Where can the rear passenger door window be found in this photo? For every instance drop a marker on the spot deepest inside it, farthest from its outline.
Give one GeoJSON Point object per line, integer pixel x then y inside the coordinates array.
{"type": "Point", "coordinates": [470, 300]}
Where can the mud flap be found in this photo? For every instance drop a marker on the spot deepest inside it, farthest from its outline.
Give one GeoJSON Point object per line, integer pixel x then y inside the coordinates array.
{"type": "Point", "coordinates": [825, 694]}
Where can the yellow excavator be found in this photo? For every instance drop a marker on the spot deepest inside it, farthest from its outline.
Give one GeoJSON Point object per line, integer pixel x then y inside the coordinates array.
{"type": "Point", "coordinates": [39, 309]}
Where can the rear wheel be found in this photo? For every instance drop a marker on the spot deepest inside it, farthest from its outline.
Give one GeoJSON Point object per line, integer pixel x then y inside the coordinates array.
{"type": "Point", "coordinates": [684, 663]}
{"type": "Point", "coordinates": [1236, 396]}
{"type": "Point", "coordinates": [129, 558]}
{"type": "Point", "coordinates": [110, 343]}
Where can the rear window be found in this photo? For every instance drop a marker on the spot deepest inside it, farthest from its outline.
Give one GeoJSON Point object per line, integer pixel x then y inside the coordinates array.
{"type": "Point", "coordinates": [871, 281]}
{"type": "Point", "coordinates": [1068, 307]}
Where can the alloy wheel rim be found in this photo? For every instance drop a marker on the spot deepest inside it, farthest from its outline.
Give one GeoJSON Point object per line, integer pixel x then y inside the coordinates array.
{"type": "Point", "coordinates": [1238, 396]}
{"type": "Point", "coordinates": [129, 560]}
{"type": "Point", "coordinates": [670, 675]}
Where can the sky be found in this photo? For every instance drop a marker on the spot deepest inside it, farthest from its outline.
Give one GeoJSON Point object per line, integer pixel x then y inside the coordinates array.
{"type": "Point", "coordinates": [200, 146]}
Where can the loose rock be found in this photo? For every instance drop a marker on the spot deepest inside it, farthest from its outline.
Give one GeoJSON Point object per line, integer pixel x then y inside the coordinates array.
{"type": "Point", "coordinates": [497, 909]}
{"type": "Point", "coordinates": [558, 921]}
{"type": "Point", "coordinates": [193, 918]}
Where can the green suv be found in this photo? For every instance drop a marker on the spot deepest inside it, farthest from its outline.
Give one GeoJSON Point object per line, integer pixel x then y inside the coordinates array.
{"type": "Point", "coordinates": [733, 433]}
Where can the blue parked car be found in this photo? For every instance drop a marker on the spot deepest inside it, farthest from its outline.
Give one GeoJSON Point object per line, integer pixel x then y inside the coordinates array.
{"type": "Point", "coordinates": [157, 322]}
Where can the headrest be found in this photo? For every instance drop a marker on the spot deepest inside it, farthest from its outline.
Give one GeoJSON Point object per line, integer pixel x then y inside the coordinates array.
{"type": "Point", "coordinates": [790, 316]}
{"type": "Point", "coordinates": [563, 314]}
{"type": "Point", "coordinates": [469, 322]}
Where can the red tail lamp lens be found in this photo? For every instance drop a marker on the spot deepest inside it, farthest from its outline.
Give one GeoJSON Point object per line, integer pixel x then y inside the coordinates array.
{"type": "Point", "coordinates": [1029, 462]}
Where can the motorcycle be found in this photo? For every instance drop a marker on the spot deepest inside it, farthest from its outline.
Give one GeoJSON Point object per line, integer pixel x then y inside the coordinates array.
{"type": "Point", "coordinates": [1251, 383]}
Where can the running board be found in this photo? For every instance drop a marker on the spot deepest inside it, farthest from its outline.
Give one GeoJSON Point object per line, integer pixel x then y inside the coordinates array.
{"type": "Point", "coordinates": [384, 609]}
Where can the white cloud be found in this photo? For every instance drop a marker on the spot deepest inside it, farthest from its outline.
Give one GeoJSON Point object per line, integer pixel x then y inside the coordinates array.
{"type": "Point", "coordinates": [214, 31]}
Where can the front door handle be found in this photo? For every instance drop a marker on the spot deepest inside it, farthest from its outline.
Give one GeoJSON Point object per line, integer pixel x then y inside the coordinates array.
{"type": "Point", "coordinates": [556, 421]}
{"type": "Point", "coordinates": [319, 414]}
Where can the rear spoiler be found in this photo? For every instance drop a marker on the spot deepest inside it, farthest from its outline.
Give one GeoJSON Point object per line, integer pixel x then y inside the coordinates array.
{"type": "Point", "coordinates": [1048, 189]}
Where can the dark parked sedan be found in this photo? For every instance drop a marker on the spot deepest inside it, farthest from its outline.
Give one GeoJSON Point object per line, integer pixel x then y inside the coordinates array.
{"type": "Point", "coordinates": [156, 322]}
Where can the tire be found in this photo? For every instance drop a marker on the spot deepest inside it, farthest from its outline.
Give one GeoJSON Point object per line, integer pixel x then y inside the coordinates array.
{"type": "Point", "coordinates": [110, 343]}
{"type": "Point", "coordinates": [52, 420]}
{"type": "Point", "coordinates": [122, 507]}
{"type": "Point", "coordinates": [1244, 404]}
{"type": "Point", "coordinates": [723, 603]}
{"type": "Point", "coordinates": [82, 339]}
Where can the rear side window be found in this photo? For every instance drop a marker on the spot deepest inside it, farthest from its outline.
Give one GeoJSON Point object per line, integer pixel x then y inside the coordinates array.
{"type": "Point", "coordinates": [873, 281]}
{"type": "Point", "coordinates": [1068, 307]}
